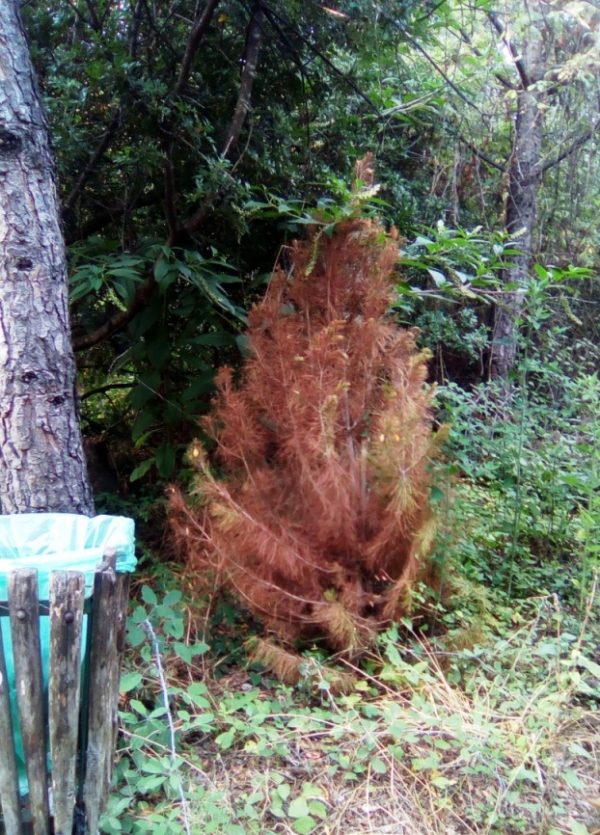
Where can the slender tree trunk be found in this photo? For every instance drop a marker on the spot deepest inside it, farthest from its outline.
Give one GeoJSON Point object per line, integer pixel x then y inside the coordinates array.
{"type": "Point", "coordinates": [520, 220]}
{"type": "Point", "coordinates": [42, 464]}
{"type": "Point", "coordinates": [524, 175]}
{"type": "Point", "coordinates": [254, 36]}
{"type": "Point", "coordinates": [521, 207]}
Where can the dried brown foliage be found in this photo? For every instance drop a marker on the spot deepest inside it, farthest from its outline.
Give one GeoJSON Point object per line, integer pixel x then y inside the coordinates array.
{"type": "Point", "coordinates": [320, 520]}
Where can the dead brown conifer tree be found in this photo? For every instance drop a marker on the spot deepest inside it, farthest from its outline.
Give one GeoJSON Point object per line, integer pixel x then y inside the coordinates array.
{"type": "Point", "coordinates": [319, 520]}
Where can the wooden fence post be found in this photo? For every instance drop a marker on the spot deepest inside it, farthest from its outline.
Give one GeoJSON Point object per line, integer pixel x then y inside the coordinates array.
{"type": "Point", "coordinates": [77, 714]}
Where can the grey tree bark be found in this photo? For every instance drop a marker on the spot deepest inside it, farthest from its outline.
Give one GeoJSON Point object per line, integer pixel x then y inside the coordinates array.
{"type": "Point", "coordinates": [524, 177]}
{"type": "Point", "coordinates": [42, 464]}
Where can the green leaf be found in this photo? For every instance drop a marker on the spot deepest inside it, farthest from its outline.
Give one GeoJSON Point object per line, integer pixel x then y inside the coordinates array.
{"type": "Point", "coordinates": [150, 783]}
{"type": "Point", "coordinates": [283, 790]}
{"type": "Point", "coordinates": [174, 627]}
{"type": "Point", "coordinates": [441, 782]}
{"type": "Point", "coordinates": [225, 740]}
{"type": "Point", "coordinates": [142, 423]}
{"type": "Point", "coordinates": [204, 720]}
{"type": "Point", "coordinates": [572, 779]}
{"type": "Point", "coordinates": [304, 825]}
{"type": "Point", "coordinates": [165, 459]}
{"type": "Point", "coordinates": [298, 808]}
{"type": "Point", "coordinates": [149, 596]}
{"type": "Point", "coordinates": [187, 651]}
{"type": "Point", "coordinates": [436, 495]}
{"type": "Point", "coordinates": [172, 597]}
{"type": "Point", "coordinates": [439, 279]}
{"type": "Point", "coordinates": [426, 763]}
{"type": "Point", "coordinates": [578, 828]}
{"type": "Point", "coordinates": [378, 766]}
{"type": "Point", "coordinates": [145, 319]}
{"type": "Point", "coordinates": [139, 707]}
{"type": "Point", "coordinates": [135, 636]}
{"type": "Point", "coordinates": [589, 665]}
{"type": "Point", "coordinates": [158, 349]}
{"type": "Point", "coordinates": [317, 808]}
{"type": "Point", "coordinates": [165, 273]}
{"type": "Point", "coordinates": [156, 765]}
{"type": "Point", "coordinates": [203, 384]}
{"type": "Point", "coordinates": [129, 681]}
{"type": "Point", "coordinates": [111, 825]}
{"type": "Point", "coordinates": [125, 272]}
{"type": "Point", "coordinates": [219, 339]}
{"type": "Point", "coordinates": [141, 469]}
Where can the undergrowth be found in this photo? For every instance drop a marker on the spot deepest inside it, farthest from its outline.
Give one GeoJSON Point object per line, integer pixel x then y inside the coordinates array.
{"type": "Point", "coordinates": [477, 714]}
{"type": "Point", "coordinates": [499, 737]}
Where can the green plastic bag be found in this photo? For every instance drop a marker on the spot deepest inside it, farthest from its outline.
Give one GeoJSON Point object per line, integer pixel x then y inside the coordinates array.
{"type": "Point", "coordinates": [56, 542]}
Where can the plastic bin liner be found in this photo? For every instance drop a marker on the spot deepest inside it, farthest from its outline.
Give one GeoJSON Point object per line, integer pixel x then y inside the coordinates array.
{"type": "Point", "coordinates": [56, 542]}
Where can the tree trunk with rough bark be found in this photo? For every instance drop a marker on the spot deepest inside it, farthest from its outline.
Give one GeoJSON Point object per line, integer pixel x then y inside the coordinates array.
{"type": "Point", "coordinates": [520, 220]}
{"type": "Point", "coordinates": [524, 177]}
{"type": "Point", "coordinates": [42, 464]}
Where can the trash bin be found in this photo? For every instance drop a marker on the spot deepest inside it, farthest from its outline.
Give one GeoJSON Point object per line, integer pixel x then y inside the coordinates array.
{"type": "Point", "coordinates": [63, 596]}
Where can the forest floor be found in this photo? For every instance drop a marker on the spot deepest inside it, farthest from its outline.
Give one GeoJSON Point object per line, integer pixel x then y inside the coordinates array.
{"type": "Point", "coordinates": [464, 733]}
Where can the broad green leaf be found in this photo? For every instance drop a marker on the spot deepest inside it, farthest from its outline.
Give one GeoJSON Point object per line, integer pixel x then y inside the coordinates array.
{"type": "Point", "coordinates": [129, 681]}
{"type": "Point", "coordinates": [304, 825]}
{"type": "Point", "coordinates": [165, 459]}
{"type": "Point", "coordinates": [572, 779]}
{"type": "Point", "coordinates": [298, 807]}
{"type": "Point", "coordinates": [149, 596]}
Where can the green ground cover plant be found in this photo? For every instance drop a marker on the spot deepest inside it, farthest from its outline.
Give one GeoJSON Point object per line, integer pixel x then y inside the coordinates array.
{"type": "Point", "coordinates": [498, 737]}
{"type": "Point", "coordinates": [476, 713]}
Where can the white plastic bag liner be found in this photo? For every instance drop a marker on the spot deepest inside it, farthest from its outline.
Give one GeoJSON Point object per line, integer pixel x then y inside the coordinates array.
{"type": "Point", "coordinates": [63, 542]}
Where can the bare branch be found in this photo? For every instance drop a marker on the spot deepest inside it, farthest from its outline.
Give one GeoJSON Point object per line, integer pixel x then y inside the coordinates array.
{"type": "Point", "coordinates": [576, 143]}
{"type": "Point", "coordinates": [254, 35]}
{"type": "Point", "coordinates": [88, 169]}
{"type": "Point", "coordinates": [105, 388]}
{"type": "Point", "coordinates": [518, 63]}
{"type": "Point", "coordinates": [274, 16]}
{"type": "Point", "coordinates": [78, 14]}
{"type": "Point", "coordinates": [105, 215]}
{"type": "Point", "coordinates": [95, 20]}
{"type": "Point", "coordinates": [169, 181]}
{"type": "Point", "coordinates": [483, 157]}
{"type": "Point", "coordinates": [498, 75]}
{"type": "Point", "coordinates": [193, 43]}
{"type": "Point", "coordinates": [120, 318]}
{"type": "Point", "coordinates": [441, 72]}
{"type": "Point", "coordinates": [134, 29]}
{"type": "Point", "coordinates": [146, 289]}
